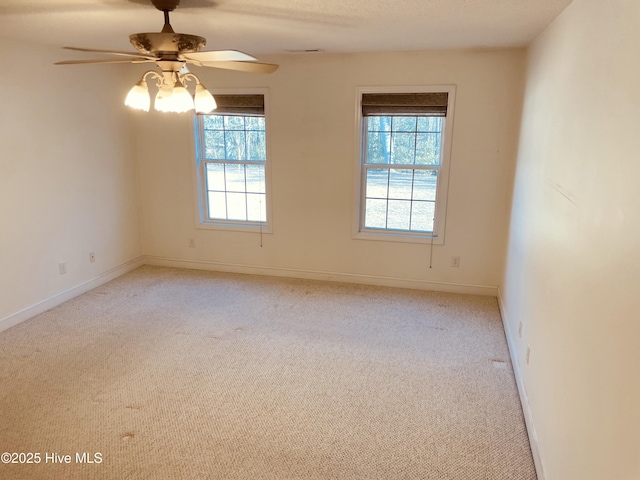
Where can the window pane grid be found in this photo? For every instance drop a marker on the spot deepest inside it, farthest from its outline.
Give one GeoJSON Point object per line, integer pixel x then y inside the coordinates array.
{"type": "Point", "coordinates": [235, 192]}
{"type": "Point", "coordinates": [234, 138]}
{"type": "Point", "coordinates": [409, 206]}
{"type": "Point", "coordinates": [400, 169]}
{"type": "Point", "coordinates": [406, 140]}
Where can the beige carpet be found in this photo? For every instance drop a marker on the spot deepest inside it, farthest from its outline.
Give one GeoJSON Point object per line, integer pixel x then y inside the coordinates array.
{"type": "Point", "coordinates": [178, 374]}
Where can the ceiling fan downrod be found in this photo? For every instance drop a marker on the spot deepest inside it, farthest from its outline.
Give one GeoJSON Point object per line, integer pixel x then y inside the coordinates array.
{"type": "Point", "coordinates": [165, 5]}
{"type": "Point", "coordinates": [167, 28]}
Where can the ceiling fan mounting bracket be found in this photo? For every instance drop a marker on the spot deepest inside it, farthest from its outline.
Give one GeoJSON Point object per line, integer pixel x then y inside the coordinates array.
{"type": "Point", "coordinates": [166, 5]}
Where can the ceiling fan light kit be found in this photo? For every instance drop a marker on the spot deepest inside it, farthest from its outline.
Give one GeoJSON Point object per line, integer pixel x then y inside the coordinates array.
{"type": "Point", "coordinates": [171, 52]}
{"type": "Point", "coordinates": [172, 95]}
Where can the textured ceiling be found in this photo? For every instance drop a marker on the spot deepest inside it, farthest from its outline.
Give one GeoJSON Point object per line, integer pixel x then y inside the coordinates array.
{"type": "Point", "coordinates": [277, 26]}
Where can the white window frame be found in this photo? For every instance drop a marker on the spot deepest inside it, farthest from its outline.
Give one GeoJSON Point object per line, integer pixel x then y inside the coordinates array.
{"type": "Point", "coordinates": [201, 203]}
{"type": "Point", "coordinates": [437, 236]}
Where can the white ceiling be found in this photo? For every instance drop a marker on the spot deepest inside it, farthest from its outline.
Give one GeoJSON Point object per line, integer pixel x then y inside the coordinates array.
{"type": "Point", "coordinates": [277, 26]}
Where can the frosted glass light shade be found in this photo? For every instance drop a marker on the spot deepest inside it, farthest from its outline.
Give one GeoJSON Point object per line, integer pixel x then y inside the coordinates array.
{"type": "Point", "coordinates": [138, 97]}
{"type": "Point", "coordinates": [161, 102]}
{"type": "Point", "coordinates": [180, 100]}
{"type": "Point", "coordinates": [204, 101]}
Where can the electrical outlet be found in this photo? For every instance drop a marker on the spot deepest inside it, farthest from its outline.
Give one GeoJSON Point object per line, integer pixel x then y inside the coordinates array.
{"type": "Point", "coordinates": [455, 262]}
{"type": "Point", "coordinates": [62, 266]}
{"type": "Point", "coordinates": [92, 257]}
{"type": "Point", "coordinates": [520, 330]}
{"type": "Point", "coordinates": [528, 354]}
{"type": "Point", "coordinates": [192, 243]}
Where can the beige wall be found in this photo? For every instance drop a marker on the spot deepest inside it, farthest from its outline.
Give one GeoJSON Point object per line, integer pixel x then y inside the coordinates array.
{"type": "Point", "coordinates": [312, 147]}
{"type": "Point", "coordinates": [573, 262]}
{"type": "Point", "coordinates": [67, 179]}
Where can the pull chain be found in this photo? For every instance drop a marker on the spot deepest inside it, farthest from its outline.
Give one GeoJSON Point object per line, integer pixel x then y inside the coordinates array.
{"type": "Point", "coordinates": [431, 247]}
{"type": "Point", "coordinates": [261, 223]}
{"type": "Point", "coordinates": [431, 252]}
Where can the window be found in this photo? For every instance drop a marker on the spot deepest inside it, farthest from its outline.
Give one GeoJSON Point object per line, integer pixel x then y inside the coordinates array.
{"type": "Point", "coordinates": [403, 166]}
{"type": "Point", "coordinates": [231, 150]}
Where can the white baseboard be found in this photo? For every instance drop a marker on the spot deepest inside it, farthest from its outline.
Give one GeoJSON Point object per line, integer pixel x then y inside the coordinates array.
{"type": "Point", "coordinates": [61, 297]}
{"type": "Point", "coordinates": [524, 399]}
{"type": "Point", "coordinates": [323, 275]}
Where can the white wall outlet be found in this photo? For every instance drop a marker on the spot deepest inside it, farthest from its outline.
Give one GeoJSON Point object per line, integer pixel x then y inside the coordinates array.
{"type": "Point", "coordinates": [62, 266]}
{"type": "Point", "coordinates": [92, 257]}
{"type": "Point", "coordinates": [192, 242]}
{"type": "Point", "coordinates": [528, 354]}
{"type": "Point", "coordinates": [455, 262]}
{"type": "Point", "coordinates": [520, 330]}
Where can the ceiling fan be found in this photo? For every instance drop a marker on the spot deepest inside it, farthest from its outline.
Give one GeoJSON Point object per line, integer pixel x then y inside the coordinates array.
{"type": "Point", "coordinates": [171, 51]}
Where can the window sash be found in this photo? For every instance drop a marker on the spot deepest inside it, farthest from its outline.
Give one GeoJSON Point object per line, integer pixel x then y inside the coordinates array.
{"type": "Point", "coordinates": [253, 200]}
{"type": "Point", "coordinates": [225, 138]}
{"type": "Point", "coordinates": [394, 134]}
{"type": "Point", "coordinates": [412, 199]}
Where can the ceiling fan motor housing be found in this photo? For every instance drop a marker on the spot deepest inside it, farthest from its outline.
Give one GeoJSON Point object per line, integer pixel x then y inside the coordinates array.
{"type": "Point", "coordinates": [167, 43]}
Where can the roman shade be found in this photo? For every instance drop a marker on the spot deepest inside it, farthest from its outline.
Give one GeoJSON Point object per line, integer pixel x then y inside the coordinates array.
{"type": "Point", "coordinates": [239, 105]}
{"type": "Point", "coordinates": [432, 103]}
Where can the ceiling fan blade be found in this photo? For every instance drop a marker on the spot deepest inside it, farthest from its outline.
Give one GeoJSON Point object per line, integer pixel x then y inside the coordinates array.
{"type": "Point", "coordinates": [250, 67]}
{"type": "Point", "coordinates": [219, 56]}
{"type": "Point", "coordinates": [111, 52]}
{"type": "Point", "coordinates": [80, 62]}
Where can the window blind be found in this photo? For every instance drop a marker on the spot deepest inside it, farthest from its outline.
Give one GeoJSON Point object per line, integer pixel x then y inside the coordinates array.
{"type": "Point", "coordinates": [239, 105]}
{"type": "Point", "coordinates": [377, 104]}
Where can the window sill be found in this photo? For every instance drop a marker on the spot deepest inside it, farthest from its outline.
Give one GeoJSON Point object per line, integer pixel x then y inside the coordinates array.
{"type": "Point", "coordinates": [399, 237]}
{"type": "Point", "coordinates": [234, 227]}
